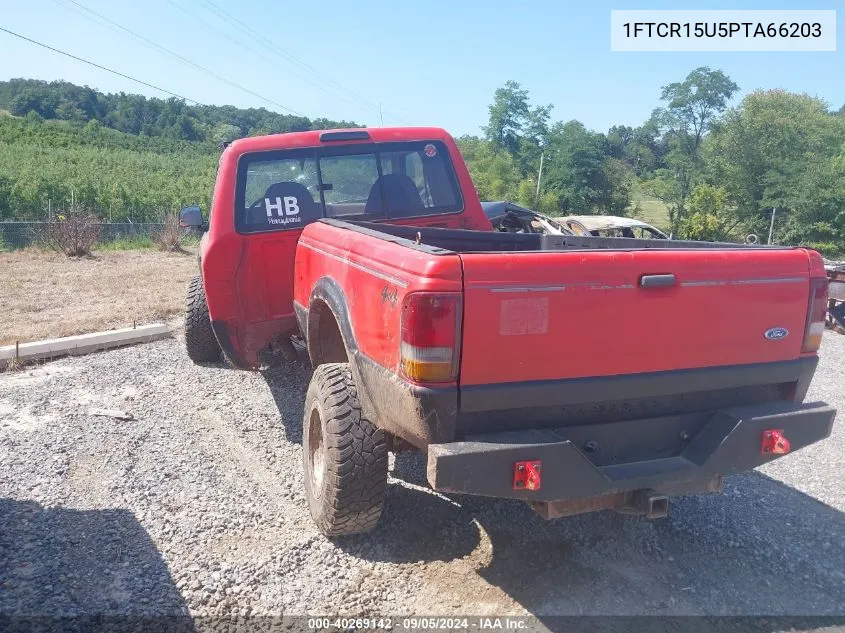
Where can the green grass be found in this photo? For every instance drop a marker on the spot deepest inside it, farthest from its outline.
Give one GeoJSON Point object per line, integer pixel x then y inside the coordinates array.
{"type": "Point", "coordinates": [191, 241]}
{"type": "Point", "coordinates": [648, 209]}
{"type": "Point", "coordinates": [141, 242]}
{"type": "Point", "coordinates": [652, 211]}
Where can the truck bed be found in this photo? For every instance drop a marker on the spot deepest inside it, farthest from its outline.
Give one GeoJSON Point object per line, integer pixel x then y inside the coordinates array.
{"type": "Point", "coordinates": [446, 241]}
{"type": "Point", "coordinates": [566, 331]}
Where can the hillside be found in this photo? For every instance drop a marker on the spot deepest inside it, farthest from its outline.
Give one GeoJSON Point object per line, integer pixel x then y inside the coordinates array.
{"type": "Point", "coordinates": [135, 114]}
{"type": "Point", "coordinates": [123, 156]}
{"type": "Point", "coordinates": [43, 164]}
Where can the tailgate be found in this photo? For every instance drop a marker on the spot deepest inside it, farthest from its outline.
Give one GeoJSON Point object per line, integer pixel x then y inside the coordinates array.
{"type": "Point", "coordinates": [557, 315]}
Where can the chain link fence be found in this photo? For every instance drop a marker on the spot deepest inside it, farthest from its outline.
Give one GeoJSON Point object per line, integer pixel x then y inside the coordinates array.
{"type": "Point", "coordinates": [15, 235]}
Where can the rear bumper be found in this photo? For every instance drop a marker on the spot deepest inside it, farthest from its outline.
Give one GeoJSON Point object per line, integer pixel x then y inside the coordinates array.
{"type": "Point", "coordinates": [729, 441]}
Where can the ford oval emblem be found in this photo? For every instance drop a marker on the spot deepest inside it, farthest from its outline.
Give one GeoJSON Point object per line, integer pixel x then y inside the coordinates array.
{"type": "Point", "coordinates": [776, 333]}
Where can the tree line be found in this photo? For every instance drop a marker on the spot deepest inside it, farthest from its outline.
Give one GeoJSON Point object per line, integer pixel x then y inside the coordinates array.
{"type": "Point", "coordinates": [148, 116]}
{"type": "Point", "coordinates": [124, 156]}
{"type": "Point", "coordinates": [719, 170]}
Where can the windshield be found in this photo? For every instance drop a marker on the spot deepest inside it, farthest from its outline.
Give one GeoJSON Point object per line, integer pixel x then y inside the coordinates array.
{"type": "Point", "coordinates": [289, 189]}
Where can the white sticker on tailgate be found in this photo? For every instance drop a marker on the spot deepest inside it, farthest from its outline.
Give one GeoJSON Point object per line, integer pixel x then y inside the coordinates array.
{"type": "Point", "coordinates": [524, 316]}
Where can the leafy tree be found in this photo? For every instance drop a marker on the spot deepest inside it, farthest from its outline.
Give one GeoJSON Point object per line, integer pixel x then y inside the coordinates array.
{"type": "Point", "coordinates": [38, 101]}
{"type": "Point", "coordinates": [225, 133]}
{"type": "Point", "coordinates": [817, 213]}
{"type": "Point", "coordinates": [516, 127]}
{"type": "Point", "coordinates": [494, 171]}
{"type": "Point", "coordinates": [692, 105]}
{"type": "Point", "coordinates": [780, 150]}
{"type": "Point", "coordinates": [583, 171]}
{"type": "Point", "coordinates": [508, 113]}
{"type": "Point", "coordinates": [617, 181]}
{"type": "Point", "coordinates": [619, 138]}
{"type": "Point", "coordinates": [576, 167]}
{"type": "Point", "coordinates": [710, 215]}
{"type": "Point", "coordinates": [646, 150]}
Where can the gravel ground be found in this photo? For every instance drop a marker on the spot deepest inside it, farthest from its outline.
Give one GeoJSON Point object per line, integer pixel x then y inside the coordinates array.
{"type": "Point", "coordinates": [197, 506]}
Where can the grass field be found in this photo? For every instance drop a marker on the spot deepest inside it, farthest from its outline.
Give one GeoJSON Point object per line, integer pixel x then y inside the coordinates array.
{"type": "Point", "coordinates": [648, 209]}
{"type": "Point", "coordinates": [46, 295]}
{"type": "Point", "coordinates": [652, 211]}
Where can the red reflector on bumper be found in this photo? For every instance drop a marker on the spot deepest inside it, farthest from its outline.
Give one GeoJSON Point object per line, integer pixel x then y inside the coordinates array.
{"type": "Point", "coordinates": [774, 442]}
{"type": "Point", "coordinates": [526, 476]}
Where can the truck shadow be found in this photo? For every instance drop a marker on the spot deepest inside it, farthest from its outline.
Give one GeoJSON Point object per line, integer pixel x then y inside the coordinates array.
{"type": "Point", "coordinates": [288, 384]}
{"type": "Point", "coordinates": [762, 547]}
{"type": "Point", "coordinates": [61, 568]}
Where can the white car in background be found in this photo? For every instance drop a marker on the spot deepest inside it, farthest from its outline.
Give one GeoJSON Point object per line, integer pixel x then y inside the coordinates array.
{"type": "Point", "coordinates": [611, 226]}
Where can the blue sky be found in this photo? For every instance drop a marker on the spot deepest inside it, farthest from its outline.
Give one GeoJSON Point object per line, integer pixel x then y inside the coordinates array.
{"type": "Point", "coordinates": [429, 63]}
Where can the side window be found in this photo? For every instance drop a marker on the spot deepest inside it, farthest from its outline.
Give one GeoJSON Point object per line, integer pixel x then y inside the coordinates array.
{"type": "Point", "coordinates": [348, 183]}
{"type": "Point", "coordinates": [414, 170]}
{"type": "Point", "coordinates": [646, 234]}
{"type": "Point", "coordinates": [417, 181]}
{"type": "Point", "coordinates": [279, 194]}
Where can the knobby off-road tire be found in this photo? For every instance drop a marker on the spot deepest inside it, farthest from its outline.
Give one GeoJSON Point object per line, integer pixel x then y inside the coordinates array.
{"type": "Point", "coordinates": [344, 454]}
{"type": "Point", "coordinates": [200, 341]}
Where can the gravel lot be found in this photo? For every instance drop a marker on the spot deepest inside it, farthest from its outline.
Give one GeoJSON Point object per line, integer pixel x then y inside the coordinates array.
{"type": "Point", "coordinates": [197, 505]}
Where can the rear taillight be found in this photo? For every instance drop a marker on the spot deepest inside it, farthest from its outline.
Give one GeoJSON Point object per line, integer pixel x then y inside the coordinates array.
{"type": "Point", "coordinates": [431, 325]}
{"type": "Point", "coordinates": [816, 313]}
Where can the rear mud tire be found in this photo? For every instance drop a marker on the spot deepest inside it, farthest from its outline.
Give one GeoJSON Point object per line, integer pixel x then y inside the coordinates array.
{"type": "Point", "coordinates": [344, 455]}
{"type": "Point", "coordinates": [200, 341]}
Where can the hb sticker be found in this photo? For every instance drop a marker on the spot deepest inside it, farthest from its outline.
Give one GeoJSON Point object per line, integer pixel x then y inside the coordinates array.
{"type": "Point", "coordinates": [287, 208]}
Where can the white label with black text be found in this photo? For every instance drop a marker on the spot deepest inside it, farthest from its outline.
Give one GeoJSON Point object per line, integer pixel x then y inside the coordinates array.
{"type": "Point", "coordinates": [723, 30]}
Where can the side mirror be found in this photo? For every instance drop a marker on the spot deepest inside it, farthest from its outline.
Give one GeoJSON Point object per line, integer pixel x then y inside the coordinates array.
{"type": "Point", "coordinates": [191, 217]}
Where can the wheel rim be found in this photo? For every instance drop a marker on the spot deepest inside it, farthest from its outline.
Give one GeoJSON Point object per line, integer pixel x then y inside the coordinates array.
{"type": "Point", "coordinates": [316, 450]}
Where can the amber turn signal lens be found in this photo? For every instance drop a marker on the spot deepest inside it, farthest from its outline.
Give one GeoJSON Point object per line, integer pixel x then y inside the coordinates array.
{"type": "Point", "coordinates": [421, 371]}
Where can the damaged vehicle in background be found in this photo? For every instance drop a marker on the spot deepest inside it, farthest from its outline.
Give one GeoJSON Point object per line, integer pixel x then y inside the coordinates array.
{"type": "Point", "coordinates": [611, 226]}
{"type": "Point", "coordinates": [508, 217]}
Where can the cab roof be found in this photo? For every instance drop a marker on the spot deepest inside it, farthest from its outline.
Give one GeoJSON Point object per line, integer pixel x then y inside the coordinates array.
{"type": "Point", "coordinates": [347, 136]}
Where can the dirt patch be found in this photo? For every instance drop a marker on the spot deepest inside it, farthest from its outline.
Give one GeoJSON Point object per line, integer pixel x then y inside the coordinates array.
{"type": "Point", "coordinates": [47, 295]}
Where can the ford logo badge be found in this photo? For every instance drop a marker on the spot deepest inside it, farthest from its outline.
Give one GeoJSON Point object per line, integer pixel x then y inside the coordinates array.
{"type": "Point", "coordinates": [776, 333]}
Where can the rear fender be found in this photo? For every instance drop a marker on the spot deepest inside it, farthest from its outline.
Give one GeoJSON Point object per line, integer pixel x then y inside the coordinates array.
{"type": "Point", "coordinates": [327, 294]}
{"type": "Point", "coordinates": [418, 415]}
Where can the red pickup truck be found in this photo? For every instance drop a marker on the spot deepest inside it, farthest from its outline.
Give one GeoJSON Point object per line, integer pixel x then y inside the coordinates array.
{"type": "Point", "coordinates": [577, 373]}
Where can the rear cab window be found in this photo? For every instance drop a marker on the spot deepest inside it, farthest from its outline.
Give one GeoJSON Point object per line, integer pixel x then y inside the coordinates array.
{"type": "Point", "coordinates": [288, 189]}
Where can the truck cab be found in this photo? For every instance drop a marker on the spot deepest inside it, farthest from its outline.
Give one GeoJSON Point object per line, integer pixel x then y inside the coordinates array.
{"type": "Point", "coordinates": [270, 188]}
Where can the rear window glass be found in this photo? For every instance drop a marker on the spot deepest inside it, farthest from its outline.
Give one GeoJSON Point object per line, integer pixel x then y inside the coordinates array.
{"type": "Point", "coordinates": [347, 182]}
{"type": "Point", "coordinates": [287, 190]}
